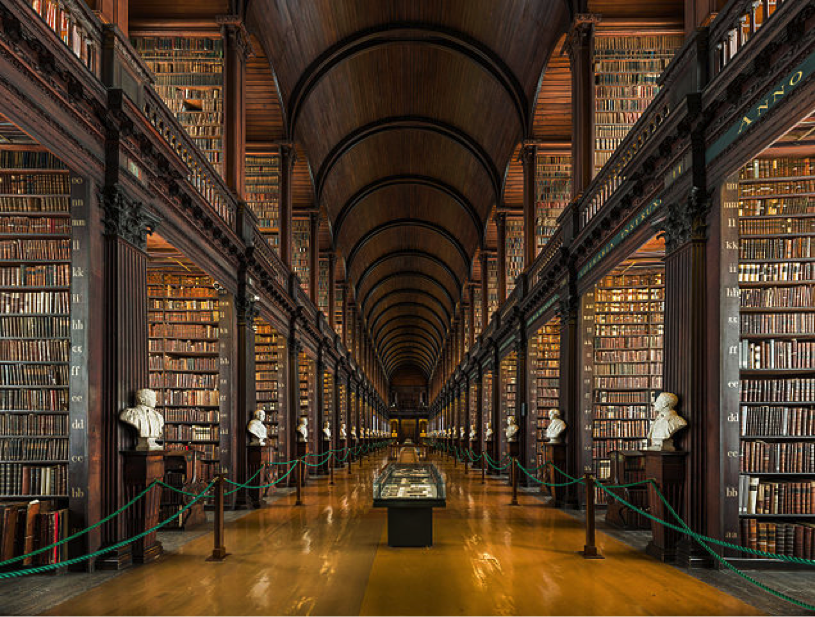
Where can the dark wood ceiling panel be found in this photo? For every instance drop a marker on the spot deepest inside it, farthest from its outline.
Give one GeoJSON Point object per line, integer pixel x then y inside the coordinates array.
{"type": "Point", "coordinates": [638, 8]}
{"type": "Point", "coordinates": [513, 198]}
{"type": "Point", "coordinates": [553, 109]}
{"type": "Point", "coordinates": [396, 265]}
{"type": "Point", "coordinates": [264, 116]}
{"type": "Point", "coordinates": [408, 281]}
{"type": "Point", "coordinates": [302, 187]}
{"type": "Point", "coordinates": [176, 9]}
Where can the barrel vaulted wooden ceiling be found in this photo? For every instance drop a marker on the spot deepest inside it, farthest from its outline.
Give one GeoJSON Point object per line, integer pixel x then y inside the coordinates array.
{"type": "Point", "coordinates": [407, 117]}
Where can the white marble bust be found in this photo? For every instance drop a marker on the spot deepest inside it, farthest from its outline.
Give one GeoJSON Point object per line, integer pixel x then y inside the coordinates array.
{"type": "Point", "coordinates": [327, 430]}
{"type": "Point", "coordinates": [302, 429]}
{"type": "Point", "coordinates": [343, 432]}
{"type": "Point", "coordinates": [512, 429]}
{"type": "Point", "coordinates": [149, 423]}
{"type": "Point", "coordinates": [488, 433]}
{"type": "Point", "coordinates": [666, 424]}
{"type": "Point", "coordinates": [556, 427]}
{"type": "Point", "coordinates": [472, 432]}
{"type": "Point", "coordinates": [257, 429]}
{"type": "Point", "coordinates": [353, 432]}
{"type": "Point", "coordinates": [461, 432]}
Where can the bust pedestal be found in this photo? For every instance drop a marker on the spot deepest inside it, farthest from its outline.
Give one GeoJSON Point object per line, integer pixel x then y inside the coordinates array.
{"type": "Point", "coordinates": [554, 453]}
{"type": "Point", "coordinates": [140, 469]}
{"type": "Point", "coordinates": [514, 451]}
{"type": "Point", "coordinates": [323, 446]}
{"type": "Point", "coordinates": [492, 453]}
{"type": "Point", "coordinates": [302, 449]}
{"type": "Point", "coordinates": [668, 469]}
{"type": "Point", "coordinates": [259, 457]}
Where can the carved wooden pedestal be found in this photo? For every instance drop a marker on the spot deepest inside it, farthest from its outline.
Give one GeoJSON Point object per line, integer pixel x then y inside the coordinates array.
{"type": "Point", "coordinates": [514, 451]}
{"type": "Point", "coordinates": [668, 469]}
{"type": "Point", "coordinates": [302, 450]}
{"type": "Point", "coordinates": [492, 453]}
{"type": "Point", "coordinates": [259, 458]}
{"type": "Point", "coordinates": [554, 453]}
{"type": "Point", "coordinates": [324, 447]}
{"type": "Point", "coordinates": [140, 469]}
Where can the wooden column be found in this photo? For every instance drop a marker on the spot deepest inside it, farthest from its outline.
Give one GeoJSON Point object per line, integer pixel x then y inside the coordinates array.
{"type": "Point", "coordinates": [528, 432]}
{"type": "Point", "coordinates": [461, 336]}
{"type": "Point", "coordinates": [236, 49]}
{"type": "Point", "coordinates": [485, 317]}
{"type": "Point", "coordinates": [579, 46]}
{"type": "Point", "coordinates": [530, 203]}
{"type": "Point", "coordinates": [284, 203]}
{"type": "Point", "coordinates": [471, 308]}
{"type": "Point", "coordinates": [501, 256]}
{"type": "Point", "coordinates": [345, 316]}
{"type": "Point", "coordinates": [479, 416]}
{"type": "Point", "coordinates": [245, 390]}
{"type": "Point", "coordinates": [293, 400]}
{"type": "Point", "coordinates": [314, 257]}
{"type": "Point", "coordinates": [332, 283]}
{"type": "Point", "coordinates": [319, 403]}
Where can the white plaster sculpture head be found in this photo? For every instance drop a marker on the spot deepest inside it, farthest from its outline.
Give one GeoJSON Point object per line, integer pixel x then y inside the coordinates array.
{"type": "Point", "coordinates": [327, 430]}
{"type": "Point", "coordinates": [512, 429]}
{"type": "Point", "coordinates": [488, 432]}
{"type": "Point", "coordinates": [257, 429]}
{"type": "Point", "coordinates": [354, 432]}
{"type": "Point", "coordinates": [556, 427]}
{"type": "Point", "coordinates": [666, 424]}
{"type": "Point", "coordinates": [461, 432]}
{"type": "Point", "coordinates": [472, 432]}
{"type": "Point", "coordinates": [343, 431]}
{"type": "Point", "coordinates": [302, 429]}
{"type": "Point", "coordinates": [149, 423]}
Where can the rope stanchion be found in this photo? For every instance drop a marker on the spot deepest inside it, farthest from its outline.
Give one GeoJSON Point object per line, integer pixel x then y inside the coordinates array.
{"type": "Point", "coordinates": [299, 483]}
{"type": "Point", "coordinates": [331, 470]}
{"type": "Point", "coordinates": [218, 549]}
{"type": "Point", "coordinates": [483, 469]}
{"type": "Point", "coordinates": [590, 548]}
{"type": "Point", "coordinates": [514, 479]}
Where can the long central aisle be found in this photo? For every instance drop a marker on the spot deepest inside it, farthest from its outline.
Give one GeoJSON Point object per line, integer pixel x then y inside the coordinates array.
{"type": "Point", "coordinates": [331, 557]}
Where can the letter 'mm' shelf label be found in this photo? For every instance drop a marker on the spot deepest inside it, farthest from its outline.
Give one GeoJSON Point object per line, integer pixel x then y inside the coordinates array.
{"type": "Point", "coordinates": [78, 480]}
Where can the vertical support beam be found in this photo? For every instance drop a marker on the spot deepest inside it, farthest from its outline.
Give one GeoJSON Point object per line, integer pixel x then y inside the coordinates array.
{"type": "Point", "coordinates": [471, 309]}
{"type": "Point", "coordinates": [236, 49]}
{"type": "Point", "coordinates": [345, 316]}
{"type": "Point", "coordinates": [332, 283]}
{"type": "Point", "coordinates": [245, 391]}
{"type": "Point", "coordinates": [314, 257]}
{"type": "Point", "coordinates": [284, 202]}
{"type": "Point", "coordinates": [292, 400]}
{"type": "Point", "coordinates": [527, 430]}
{"type": "Point", "coordinates": [528, 152]}
{"type": "Point", "coordinates": [485, 318]}
{"type": "Point", "coordinates": [579, 44]}
{"type": "Point", "coordinates": [501, 226]}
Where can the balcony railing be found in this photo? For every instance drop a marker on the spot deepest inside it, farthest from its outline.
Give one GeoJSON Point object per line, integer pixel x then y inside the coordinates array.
{"type": "Point", "coordinates": [75, 25]}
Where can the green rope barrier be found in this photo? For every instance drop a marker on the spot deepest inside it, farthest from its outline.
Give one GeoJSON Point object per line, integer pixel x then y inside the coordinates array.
{"type": "Point", "coordinates": [107, 549]}
{"type": "Point", "coordinates": [255, 475]}
{"type": "Point", "coordinates": [177, 490]}
{"type": "Point", "coordinates": [702, 540]}
{"type": "Point", "coordinates": [550, 484]}
{"type": "Point", "coordinates": [325, 456]}
{"type": "Point", "coordinates": [280, 479]}
{"type": "Point", "coordinates": [83, 532]}
{"type": "Point", "coordinates": [494, 465]}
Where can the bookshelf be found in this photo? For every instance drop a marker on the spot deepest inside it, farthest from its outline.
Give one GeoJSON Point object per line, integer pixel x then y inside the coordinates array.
{"type": "Point", "coordinates": [544, 351]}
{"type": "Point", "coordinates": [626, 356]}
{"type": "Point", "coordinates": [467, 327]}
{"type": "Point", "coordinates": [492, 285]}
{"type": "Point", "coordinates": [328, 404]}
{"type": "Point", "coordinates": [626, 71]}
{"type": "Point", "coordinates": [262, 194]}
{"type": "Point", "coordinates": [184, 360]}
{"type": "Point", "coordinates": [35, 329]}
{"type": "Point", "coordinates": [509, 395]}
{"type": "Point", "coordinates": [300, 252]}
{"type": "Point", "coordinates": [338, 304]}
{"type": "Point", "coordinates": [189, 79]}
{"type": "Point", "coordinates": [472, 413]}
{"type": "Point", "coordinates": [514, 251]}
{"type": "Point", "coordinates": [343, 409]}
{"type": "Point", "coordinates": [269, 385]}
{"type": "Point", "coordinates": [776, 279]}
{"type": "Point", "coordinates": [67, 27]}
{"type": "Point", "coordinates": [477, 309]}
{"type": "Point", "coordinates": [322, 287]}
{"type": "Point", "coordinates": [553, 189]}
{"type": "Point", "coordinates": [306, 392]}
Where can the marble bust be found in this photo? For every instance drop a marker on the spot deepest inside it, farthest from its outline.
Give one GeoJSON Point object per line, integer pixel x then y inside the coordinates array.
{"type": "Point", "coordinates": [257, 429]}
{"type": "Point", "coordinates": [666, 424]}
{"type": "Point", "coordinates": [488, 434]}
{"type": "Point", "coordinates": [472, 432]}
{"type": "Point", "coordinates": [556, 427]}
{"type": "Point", "coordinates": [343, 432]}
{"type": "Point", "coordinates": [327, 430]}
{"type": "Point", "coordinates": [512, 429]}
{"type": "Point", "coordinates": [354, 432]}
{"type": "Point", "coordinates": [302, 429]}
{"type": "Point", "coordinates": [461, 432]}
{"type": "Point", "coordinates": [149, 423]}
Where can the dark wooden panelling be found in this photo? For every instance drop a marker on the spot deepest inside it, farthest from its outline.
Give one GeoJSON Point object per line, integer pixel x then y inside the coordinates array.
{"type": "Point", "coordinates": [264, 116]}
{"type": "Point", "coordinates": [553, 108]}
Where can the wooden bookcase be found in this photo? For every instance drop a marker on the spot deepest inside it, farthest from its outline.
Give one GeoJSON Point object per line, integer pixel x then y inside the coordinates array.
{"type": "Point", "coordinates": [553, 191]}
{"type": "Point", "coordinates": [263, 192]}
{"type": "Point", "coordinates": [514, 251]}
{"type": "Point", "coordinates": [270, 353]}
{"type": "Point", "coordinates": [492, 285]}
{"type": "Point", "coordinates": [544, 380]}
{"type": "Point", "coordinates": [477, 308]}
{"type": "Point", "coordinates": [189, 75]}
{"type": "Point", "coordinates": [306, 394]}
{"type": "Point", "coordinates": [776, 281]}
{"type": "Point", "coordinates": [626, 71]}
{"type": "Point", "coordinates": [300, 252]}
{"type": "Point", "coordinates": [509, 397]}
{"type": "Point", "coordinates": [322, 287]}
{"type": "Point", "coordinates": [338, 304]}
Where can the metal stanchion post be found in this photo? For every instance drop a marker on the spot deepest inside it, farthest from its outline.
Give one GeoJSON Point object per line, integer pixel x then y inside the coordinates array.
{"type": "Point", "coordinates": [483, 468]}
{"type": "Point", "coordinates": [299, 476]}
{"type": "Point", "coordinates": [590, 549]}
{"type": "Point", "coordinates": [331, 470]}
{"type": "Point", "coordinates": [218, 550]}
{"type": "Point", "coordinates": [514, 501]}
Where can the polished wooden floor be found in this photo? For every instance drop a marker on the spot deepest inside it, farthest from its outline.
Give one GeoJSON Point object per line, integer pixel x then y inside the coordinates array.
{"type": "Point", "coordinates": [330, 557]}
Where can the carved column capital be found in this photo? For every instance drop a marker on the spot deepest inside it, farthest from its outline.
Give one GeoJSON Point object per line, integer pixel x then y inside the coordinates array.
{"type": "Point", "coordinates": [580, 33]}
{"type": "Point", "coordinates": [233, 27]}
{"type": "Point", "coordinates": [127, 218]}
{"type": "Point", "coordinates": [247, 309]}
{"type": "Point", "coordinates": [686, 221]}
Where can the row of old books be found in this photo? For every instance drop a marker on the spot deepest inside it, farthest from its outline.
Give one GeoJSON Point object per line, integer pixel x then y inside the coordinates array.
{"type": "Point", "coordinates": [761, 227]}
{"type": "Point", "coordinates": [185, 332]}
{"type": "Point", "coordinates": [777, 323]}
{"type": "Point", "coordinates": [183, 432]}
{"type": "Point", "coordinates": [776, 248]}
{"type": "Point", "coordinates": [621, 412]}
{"type": "Point", "coordinates": [605, 428]}
{"type": "Point", "coordinates": [33, 374]}
{"type": "Point", "coordinates": [51, 204]}
{"type": "Point", "coordinates": [28, 526]}
{"type": "Point", "coordinates": [33, 183]}
{"type": "Point", "coordinates": [788, 539]}
{"type": "Point", "coordinates": [776, 206]}
{"type": "Point", "coordinates": [33, 424]}
{"type": "Point", "coordinates": [53, 275]}
{"type": "Point", "coordinates": [34, 400]}
{"type": "Point", "coordinates": [627, 337]}
{"type": "Point", "coordinates": [33, 449]}
{"type": "Point", "coordinates": [780, 167]}
{"type": "Point", "coordinates": [29, 159]}
{"type": "Point", "coordinates": [35, 250]}
{"type": "Point", "coordinates": [43, 479]}
{"type": "Point", "coordinates": [762, 496]}
{"type": "Point", "coordinates": [798, 296]}
{"type": "Point", "coordinates": [34, 225]}
{"type": "Point", "coordinates": [777, 421]}
{"type": "Point", "coordinates": [777, 272]}
{"type": "Point", "coordinates": [619, 369]}
{"type": "Point", "coordinates": [188, 398]}
{"type": "Point", "coordinates": [182, 346]}
{"type": "Point", "coordinates": [183, 380]}
{"type": "Point", "coordinates": [799, 390]}
{"type": "Point", "coordinates": [773, 457]}
{"type": "Point", "coordinates": [193, 364]}
{"type": "Point", "coordinates": [791, 187]}
{"type": "Point", "coordinates": [191, 414]}
{"type": "Point", "coordinates": [177, 316]}
{"type": "Point", "coordinates": [40, 327]}
{"type": "Point", "coordinates": [35, 302]}
{"type": "Point", "coordinates": [777, 354]}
